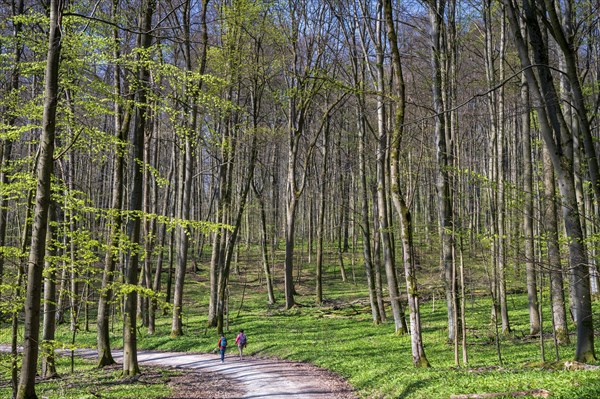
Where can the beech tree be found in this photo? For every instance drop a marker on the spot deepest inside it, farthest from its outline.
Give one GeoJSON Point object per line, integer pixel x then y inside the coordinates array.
{"type": "Point", "coordinates": [37, 252]}
{"type": "Point", "coordinates": [439, 60]}
{"type": "Point", "coordinates": [558, 138]}
{"type": "Point", "coordinates": [398, 196]}
{"type": "Point", "coordinates": [122, 119]}
{"type": "Point", "coordinates": [130, 363]}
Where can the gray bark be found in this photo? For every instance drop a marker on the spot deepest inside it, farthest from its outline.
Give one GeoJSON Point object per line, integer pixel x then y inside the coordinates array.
{"type": "Point", "coordinates": [321, 218]}
{"type": "Point", "coordinates": [121, 122]}
{"type": "Point", "coordinates": [406, 227]}
{"type": "Point", "coordinates": [130, 362]}
{"type": "Point", "coordinates": [49, 326]}
{"type": "Point", "coordinates": [558, 139]}
{"type": "Point", "coordinates": [550, 230]}
{"type": "Point", "coordinates": [534, 316]}
{"type": "Point", "coordinates": [382, 190]}
{"type": "Point", "coordinates": [264, 244]}
{"type": "Point", "coordinates": [365, 221]}
{"type": "Point", "coordinates": [444, 160]}
{"type": "Point", "coordinates": [26, 388]}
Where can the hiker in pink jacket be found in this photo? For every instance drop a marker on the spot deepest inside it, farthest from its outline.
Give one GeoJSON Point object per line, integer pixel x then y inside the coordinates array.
{"type": "Point", "coordinates": [240, 341]}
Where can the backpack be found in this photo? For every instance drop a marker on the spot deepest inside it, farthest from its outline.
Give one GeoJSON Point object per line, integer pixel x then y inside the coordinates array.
{"type": "Point", "coordinates": [243, 340]}
{"type": "Point", "coordinates": [223, 342]}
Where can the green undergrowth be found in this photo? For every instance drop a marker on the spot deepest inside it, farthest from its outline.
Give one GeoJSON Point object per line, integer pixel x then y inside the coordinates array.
{"type": "Point", "coordinates": [340, 336]}
{"type": "Point", "coordinates": [89, 382]}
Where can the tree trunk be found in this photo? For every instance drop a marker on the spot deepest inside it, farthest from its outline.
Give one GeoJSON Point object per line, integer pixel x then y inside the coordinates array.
{"type": "Point", "coordinates": [382, 193]}
{"type": "Point", "coordinates": [534, 315]}
{"type": "Point", "coordinates": [496, 107]}
{"type": "Point", "coordinates": [122, 120]}
{"type": "Point", "coordinates": [550, 230]}
{"type": "Point", "coordinates": [17, 289]}
{"type": "Point", "coordinates": [48, 334]}
{"type": "Point", "coordinates": [377, 255]}
{"type": "Point", "coordinates": [156, 285]}
{"type": "Point", "coordinates": [148, 226]}
{"type": "Point", "coordinates": [182, 238]}
{"type": "Point", "coordinates": [558, 140]}
{"type": "Point", "coordinates": [26, 389]}
{"type": "Point", "coordinates": [321, 217]}
{"type": "Point", "coordinates": [444, 160]}
{"type": "Point", "coordinates": [130, 362]}
{"type": "Point", "coordinates": [365, 222]}
{"type": "Point", "coordinates": [406, 228]}
{"type": "Point", "coordinates": [289, 252]}
{"type": "Point", "coordinates": [264, 244]}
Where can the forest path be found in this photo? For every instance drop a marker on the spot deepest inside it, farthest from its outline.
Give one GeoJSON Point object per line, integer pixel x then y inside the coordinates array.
{"type": "Point", "coordinates": [255, 377]}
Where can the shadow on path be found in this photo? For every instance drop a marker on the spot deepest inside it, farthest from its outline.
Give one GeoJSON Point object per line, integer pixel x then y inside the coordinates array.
{"type": "Point", "coordinates": [258, 378]}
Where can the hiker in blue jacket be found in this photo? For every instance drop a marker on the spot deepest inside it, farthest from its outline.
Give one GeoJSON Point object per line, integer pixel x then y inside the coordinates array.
{"type": "Point", "coordinates": [222, 344]}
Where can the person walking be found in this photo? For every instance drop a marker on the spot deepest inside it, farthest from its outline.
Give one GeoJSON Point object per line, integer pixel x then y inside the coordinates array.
{"type": "Point", "coordinates": [222, 344]}
{"type": "Point", "coordinates": [241, 340]}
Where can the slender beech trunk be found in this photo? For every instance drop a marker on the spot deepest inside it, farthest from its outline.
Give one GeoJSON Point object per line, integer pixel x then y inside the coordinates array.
{"type": "Point", "coordinates": [264, 245]}
{"type": "Point", "coordinates": [500, 181]}
{"type": "Point", "coordinates": [26, 389]}
{"type": "Point", "coordinates": [406, 227]}
{"type": "Point", "coordinates": [218, 239]}
{"type": "Point", "coordinates": [291, 204]}
{"type": "Point", "coordinates": [377, 255]}
{"type": "Point", "coordinates": [215, 260]}
{"type": "Point", "coordinates": [49, 326]}
{"type": "Point", "coordinates": [321, 217]}
{"type": "Point", "coordinates": [130, 362]}
{"type": "Point", "coordinates": [365, 221]}
{"type": "Point", "coordinates": [550, 230]}
{"type": "Point", "coordinates": [224, 215]}
{"type": "Point", "coordinates": [17, 290]}
{"type": "Point", "coordinates": [185, 184]}
{"type": "Point", "coordinates": [148, 227]}
{"type": "Point", "coordinates": [454, 152]}
{"type": "Point", "coordinates": [382, 192]}
{"type": "Point", "coordinates": [69, 238]}
{"type": "Point", "coordinates": [182, 237]}
{"type": "Point", "coordinates": [156, 285]}
{"type": "Point", "coordinates": [496, 107]}
{"type": "Point", "coordinates": [256, 94]}
{"type": "Point", "coordinates": [444, 160]}
{"type": "Point", "coordinates": [534, 316]}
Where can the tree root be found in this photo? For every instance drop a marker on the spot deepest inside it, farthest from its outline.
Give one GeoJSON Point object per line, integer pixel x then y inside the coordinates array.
{"type": "Point", "coordinates": [580, 366]}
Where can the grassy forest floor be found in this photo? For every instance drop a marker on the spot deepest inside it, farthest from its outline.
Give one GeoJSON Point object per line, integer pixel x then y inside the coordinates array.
{"type": "Point", "coordinates": [340, 336]}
